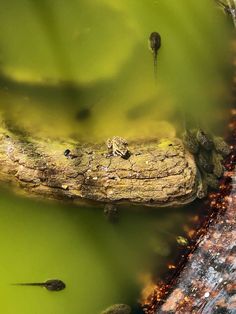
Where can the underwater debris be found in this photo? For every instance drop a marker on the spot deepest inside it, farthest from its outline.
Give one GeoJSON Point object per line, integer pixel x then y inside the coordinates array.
{"type": "Point", "coordinates": [218, 170]}
{"type": "Point", "coordinates": [111, 213]}
{"type": "Point", "coordinates": [182, 240]}
{"type": "Point", "coordinates": [83, 114]}
{"type": "Point", "coordinates": [209, 153]}
{"type": "Point", "coordinates": [190, 141]}
{"type": "Point", "coordinates": [229, 9]}
{"type": "Point", "coordinates": [221, 146]}
{"type": "Point", "coordinates": [204, 162]}
{"type": "Point", "coordinates": [204, 140]}
{"type": "Point", "coordinates": [118, 309]}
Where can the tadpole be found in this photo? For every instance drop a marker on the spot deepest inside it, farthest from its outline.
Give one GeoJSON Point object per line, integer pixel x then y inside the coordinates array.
{"type": "Point", "coordinates": [155, 44]}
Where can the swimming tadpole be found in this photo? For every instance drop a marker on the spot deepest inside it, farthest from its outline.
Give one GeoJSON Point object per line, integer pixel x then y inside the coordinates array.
{"type": "Point", "coordinates": [51, 285]}
{"type": "Point", "coordinates": [155, 45]}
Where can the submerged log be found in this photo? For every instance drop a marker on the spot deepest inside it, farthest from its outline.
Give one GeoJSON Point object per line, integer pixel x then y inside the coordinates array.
{"type": "Point", "coordinates": [157, 173]}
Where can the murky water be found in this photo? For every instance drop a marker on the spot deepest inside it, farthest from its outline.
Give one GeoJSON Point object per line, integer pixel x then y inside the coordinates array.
{"type": "Point", "coordinates": [83, 69]}
{"type": "Point", "coordinates": [58, 58]}
{"type": "Point", "coordinates": [100, 263]}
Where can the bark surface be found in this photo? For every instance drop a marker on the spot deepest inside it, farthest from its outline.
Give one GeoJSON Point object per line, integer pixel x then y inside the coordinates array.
{"type": "Point", "coordinates": [208, 282]}
{"type": "Point", "coordinates": [157, 173]}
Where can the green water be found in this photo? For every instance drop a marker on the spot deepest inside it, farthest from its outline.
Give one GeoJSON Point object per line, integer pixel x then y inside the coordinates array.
{"type": "Point", "coordinates": [58, 57]}
{"type": "Point", "coordinates": [100, 263]}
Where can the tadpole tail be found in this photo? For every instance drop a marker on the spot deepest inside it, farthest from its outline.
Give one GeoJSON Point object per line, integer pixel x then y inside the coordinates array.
{"type": "Point", "coordinates": [184, 120]}
{"type": "Point", "coordinates": [29, 284]}
{"type": "Point", "coordinates": [155, 67]}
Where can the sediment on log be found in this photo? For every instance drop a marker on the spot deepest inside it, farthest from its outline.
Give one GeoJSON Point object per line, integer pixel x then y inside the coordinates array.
{"type": "Point", "coordinates": [157, 173]}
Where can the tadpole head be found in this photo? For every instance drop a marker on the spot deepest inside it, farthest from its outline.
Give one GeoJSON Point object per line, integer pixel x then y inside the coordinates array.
{"type": "Point", "coordinates": [155, 41]}
{"type": "Point", "coordinates": [55, 285]}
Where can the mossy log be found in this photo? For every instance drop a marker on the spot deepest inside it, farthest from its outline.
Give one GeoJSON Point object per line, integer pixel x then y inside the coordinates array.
{"type": "Point", "coordinates": [157, 173]}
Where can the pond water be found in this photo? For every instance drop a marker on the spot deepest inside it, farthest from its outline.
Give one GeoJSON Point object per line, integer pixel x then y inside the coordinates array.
{"type": "Point", "coordinates": [82, 69]}
{"type": "Point", "coordinates": [100, 263]}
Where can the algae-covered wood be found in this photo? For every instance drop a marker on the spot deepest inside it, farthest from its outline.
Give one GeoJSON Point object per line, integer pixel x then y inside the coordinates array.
{"type": "Point", "coordinates": [157, 173]}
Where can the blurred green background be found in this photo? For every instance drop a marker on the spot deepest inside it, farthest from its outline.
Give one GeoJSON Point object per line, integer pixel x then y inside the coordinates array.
{"type": "Point", "coordinates": [59, 57]}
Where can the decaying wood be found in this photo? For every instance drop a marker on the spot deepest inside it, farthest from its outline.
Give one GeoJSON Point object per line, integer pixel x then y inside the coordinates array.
{"type": "Point", "coordinates": [208, 282]}
{"type": "Point", "coordinates": [159, 173]}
